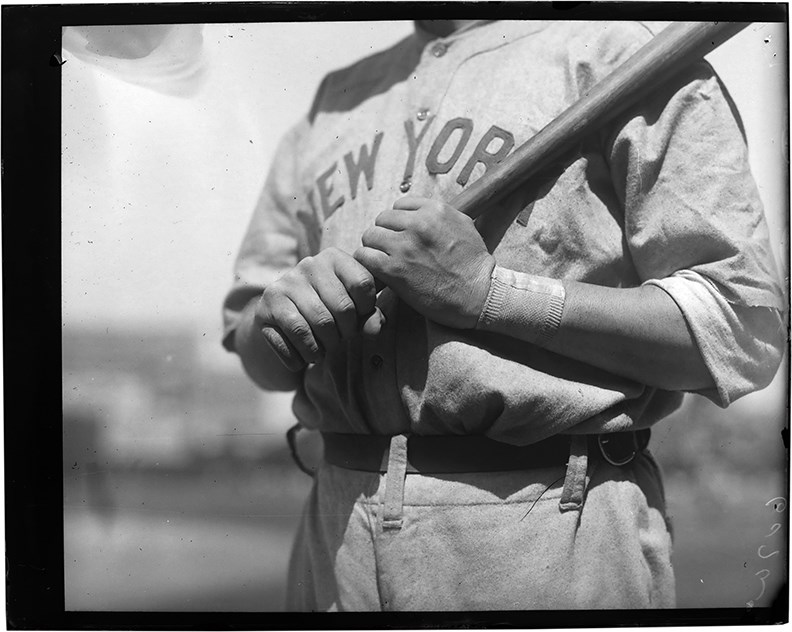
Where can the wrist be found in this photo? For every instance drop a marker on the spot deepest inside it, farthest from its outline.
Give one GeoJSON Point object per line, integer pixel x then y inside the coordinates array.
{"type": "Point", "coordinates": [481, 285]}
{"type": "Point", "coordinates": [523, 306]}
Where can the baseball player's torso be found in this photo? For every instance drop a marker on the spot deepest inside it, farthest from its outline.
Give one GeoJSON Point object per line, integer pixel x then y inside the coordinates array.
{"type": "Point", "coordinates": [428, 118]}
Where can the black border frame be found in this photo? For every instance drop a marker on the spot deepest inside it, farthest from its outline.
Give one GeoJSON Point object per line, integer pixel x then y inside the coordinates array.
{"type": "Point", "coordinates": [31, 191]}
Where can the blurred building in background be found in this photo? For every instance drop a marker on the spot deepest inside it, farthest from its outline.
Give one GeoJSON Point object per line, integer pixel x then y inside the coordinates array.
{"type": "Point", "coordinates": [155, 402]}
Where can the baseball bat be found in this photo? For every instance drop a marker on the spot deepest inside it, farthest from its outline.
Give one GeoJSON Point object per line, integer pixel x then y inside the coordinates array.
{"type": "Point", "coordinates": [665, 55]}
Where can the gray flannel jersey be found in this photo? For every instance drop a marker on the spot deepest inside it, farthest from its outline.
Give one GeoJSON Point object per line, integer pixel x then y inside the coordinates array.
{"type": "Point", "coordinates": [663, 196]}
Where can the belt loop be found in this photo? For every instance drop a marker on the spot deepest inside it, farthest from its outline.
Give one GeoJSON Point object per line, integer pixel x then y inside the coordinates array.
{"type": "Point", "coordinates": [394, 483]}
{"type": "Point", "coordinates": [291, 439]}
{"type": "Point", "coordinates": [575, 479]}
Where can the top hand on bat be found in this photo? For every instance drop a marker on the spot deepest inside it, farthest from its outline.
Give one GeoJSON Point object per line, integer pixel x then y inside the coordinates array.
{"type": "Point", "coordinates": [432, 257]}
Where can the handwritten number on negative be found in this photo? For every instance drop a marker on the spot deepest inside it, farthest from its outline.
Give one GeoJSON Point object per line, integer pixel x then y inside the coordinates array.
{"type": "Point", "coordinates": [774, 529]}
{"type": "Point", "coordinates": [762, 575]}
{"type": "Point", "coordinates": [764, 557]}
{"type": "Point", "coordinates": [779, 504]}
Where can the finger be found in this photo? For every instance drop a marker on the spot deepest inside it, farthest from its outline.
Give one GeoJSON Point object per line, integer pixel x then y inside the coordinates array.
{"type": "Point", "coordinates": [290, 320]}
{"type": "Point", "coordinates": [375, 261]}
{"type": "Point", "coordinates": [410, 203]}
{"type": "Point", "coordinates": [321, 322]}
{"type": "Point", "coordinates": [338, 302]}
{"type": "Point", "coordinates": [374, 323]}
{"type": "Point", "coordinates": [358, 283]}
{"type": "Point", "coordinates": [393, 219]}
{"type": "Point", "coordinates": [380, 238]}
{"type": "Point", "coordinates": [385, 305]}
{"type": "Point", "coordinates": [284, 350]}
{"type": "Point", "coordinates": [306, 295]}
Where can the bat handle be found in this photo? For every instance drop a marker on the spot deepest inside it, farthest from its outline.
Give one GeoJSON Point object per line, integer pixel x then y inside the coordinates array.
{"type": "Point", "coordinates": [370, 326]}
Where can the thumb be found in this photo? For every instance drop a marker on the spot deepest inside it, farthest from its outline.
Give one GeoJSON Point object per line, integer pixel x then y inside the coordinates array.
{"type": "Point", "coordinates": [386, 301]}
{"type": "Point", "coordinates": [373, 323]}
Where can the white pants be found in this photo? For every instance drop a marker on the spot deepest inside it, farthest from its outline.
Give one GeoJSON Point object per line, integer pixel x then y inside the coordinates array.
{"type": "Point", "coordinates": [483, 541]}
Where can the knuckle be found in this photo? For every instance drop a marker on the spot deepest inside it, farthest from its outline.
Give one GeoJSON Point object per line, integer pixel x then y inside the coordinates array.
{"type": "Point", "coordinates": [422, 227]}
{"type": "Point", "coordinates": [262, 309]}
{"type": "Point", "coordinates": [307, 264]}
{"type": "Point", "coordinates": [270, 297]}
{"type": "Point", "coordinates": [264, 299]}
{"type": "Point", "coordinates": [367, 236]}
{"type": "Point", "coordinates": [324, 322]}
{"type": "Point", "coordinates": [368, 262]}
{"type": "Point", "coordinates": [287, 280]}
{"type": "Point", "coordinates": [364, 284]}
{"type": "Point", "coordinates": [297, 327]}
{"type": "Point", "coordinates": [276, 287]}
{"type": "Point", "coordinates": [345, 306]}
{"type": "Point", "coordinates": [330, 254]}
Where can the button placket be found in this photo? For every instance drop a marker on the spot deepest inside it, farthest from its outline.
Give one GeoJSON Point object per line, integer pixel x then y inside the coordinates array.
{"type": "Point", "coordinates": [430, 68]}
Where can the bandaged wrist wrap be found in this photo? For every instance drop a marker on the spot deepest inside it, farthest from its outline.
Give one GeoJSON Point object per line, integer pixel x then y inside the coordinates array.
{"type": "Point", "coordinates": [523, 306]}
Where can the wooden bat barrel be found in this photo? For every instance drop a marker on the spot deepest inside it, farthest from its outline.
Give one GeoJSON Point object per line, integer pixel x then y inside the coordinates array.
{"type": "Point", "coordinates": [667, 54]}
{"type": "Point", "coordinates": [675, 48]}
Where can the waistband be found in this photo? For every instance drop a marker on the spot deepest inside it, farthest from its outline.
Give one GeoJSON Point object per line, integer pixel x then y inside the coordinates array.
{"type": "Point", "coordinates": [436, 454]}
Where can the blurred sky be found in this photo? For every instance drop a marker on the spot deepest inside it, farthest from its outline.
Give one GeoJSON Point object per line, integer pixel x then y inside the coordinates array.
{"type": "Point", "coordinates": [158, 187]}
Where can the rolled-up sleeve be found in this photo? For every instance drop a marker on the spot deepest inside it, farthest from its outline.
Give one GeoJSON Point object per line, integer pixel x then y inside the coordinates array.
{"type": "Point", "coordinates": [272, 242]}
{"type": "Point", "coordinates": [695, 227]}
{"type": "Point", "coordinates": [741, 346]}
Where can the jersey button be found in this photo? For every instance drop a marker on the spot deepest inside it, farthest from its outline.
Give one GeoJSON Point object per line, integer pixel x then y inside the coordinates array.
{"type": "Point", "coordinates": [405, 186]}
{"type": "Point", "coordinates": [422, 114]}
{"type": "Point", "coordinates": [376, 361]}
{"type": "Point", "coordinates": [438, 50]}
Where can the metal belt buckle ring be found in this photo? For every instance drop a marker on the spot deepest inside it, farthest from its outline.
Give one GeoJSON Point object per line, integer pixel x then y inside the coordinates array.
{"type": "Point", "coordinates": [616, 450]}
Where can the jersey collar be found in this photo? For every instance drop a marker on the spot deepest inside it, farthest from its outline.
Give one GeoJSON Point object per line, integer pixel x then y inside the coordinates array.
{"type": "Point", "coordinates": [490, 33]}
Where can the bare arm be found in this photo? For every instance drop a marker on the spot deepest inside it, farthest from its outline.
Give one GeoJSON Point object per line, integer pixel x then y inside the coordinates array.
{"type": "Point", "coordinates": [638, 333]}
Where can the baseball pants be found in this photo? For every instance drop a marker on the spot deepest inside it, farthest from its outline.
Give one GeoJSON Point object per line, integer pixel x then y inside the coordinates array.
{"type": "Point", "coordinates": [549, 538]}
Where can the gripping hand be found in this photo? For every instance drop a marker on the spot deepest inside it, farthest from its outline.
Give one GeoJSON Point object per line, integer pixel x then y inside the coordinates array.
{"type": "Point", "coordinates": [322, 301]}
{"type": "Point", "coordinates": [432, 257]}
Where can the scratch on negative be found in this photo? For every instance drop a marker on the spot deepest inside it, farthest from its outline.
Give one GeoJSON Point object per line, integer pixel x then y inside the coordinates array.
{"type": "Point", "coordinates": [540, 496]}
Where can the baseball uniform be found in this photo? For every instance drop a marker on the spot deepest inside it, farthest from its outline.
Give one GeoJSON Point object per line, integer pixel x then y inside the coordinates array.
{"type": "Point", "coordinates": [662, 196]}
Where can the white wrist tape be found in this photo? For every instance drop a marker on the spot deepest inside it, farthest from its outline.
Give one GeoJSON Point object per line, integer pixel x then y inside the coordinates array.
{"type": "Point", "coordinates": [523, 306]}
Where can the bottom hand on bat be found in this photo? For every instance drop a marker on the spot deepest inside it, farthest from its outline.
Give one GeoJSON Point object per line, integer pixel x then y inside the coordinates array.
{"type": "Point", "coordinates": [426, 251]}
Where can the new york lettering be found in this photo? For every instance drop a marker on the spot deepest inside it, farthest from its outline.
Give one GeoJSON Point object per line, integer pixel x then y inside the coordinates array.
{"type": "Point", "coordinates": [365, 164]}
{"type": "Point", "coordinates": [444, 153]}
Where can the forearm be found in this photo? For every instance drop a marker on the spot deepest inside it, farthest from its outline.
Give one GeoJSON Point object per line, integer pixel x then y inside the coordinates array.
{"type": "Point", "coordinates": [638, 333]}
{"type": "Point", "coordinates": [261, 363]}
{"type": "Point", "coordinates": [634, 332]}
